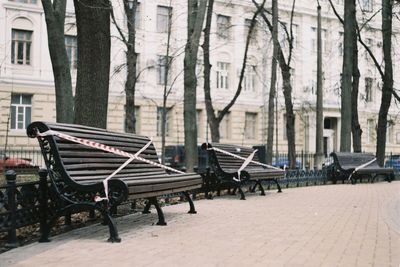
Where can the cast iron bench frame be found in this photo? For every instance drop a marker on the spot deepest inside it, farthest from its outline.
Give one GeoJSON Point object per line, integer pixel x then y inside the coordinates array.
{"type": "Point", "coordinates": [223, 170]}
{"type": "Point", "coordinates": [345, 163]}
{"type": "Point", "coordinates": [77, 172]}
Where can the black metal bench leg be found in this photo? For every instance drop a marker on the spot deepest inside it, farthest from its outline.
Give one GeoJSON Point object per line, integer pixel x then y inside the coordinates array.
{"type": "Point", "coordinates": [146, 209]}
{"type": "Point", "coordinates": [191, 204]}
{"type": "Point", "coordinates": [277, 185]}
{"type": "Point", "coordinates": [111, 227]}
{"type": "Point", "coordinates": [261, 189]}
{"type": "Point", "coordinates": [161, 218]}
{"type": "Point", "coordinates": [252, 189]}
{"type": "Point", "coordinates": [242, 197]}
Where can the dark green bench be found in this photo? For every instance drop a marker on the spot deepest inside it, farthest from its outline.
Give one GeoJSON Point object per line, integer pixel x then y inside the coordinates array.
{"type": "Point", "coordinates": [77, 172]}
{"type": "Point", "coordinates": [223, 169]}
{"type": "Point", "coordinates": [345, 165]}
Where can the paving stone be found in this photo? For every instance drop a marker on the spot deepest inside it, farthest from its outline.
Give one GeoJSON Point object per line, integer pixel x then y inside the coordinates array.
{"type": "Point", "coordinates": [335, 225]}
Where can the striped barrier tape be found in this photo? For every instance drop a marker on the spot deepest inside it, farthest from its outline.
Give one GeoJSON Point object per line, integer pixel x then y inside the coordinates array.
{"type": "Point", "coordinates": [109, 149]}
{"type": "Point", "coordinates": [361, 167]}
{"type": "Point", "coordinates": [242, 158]}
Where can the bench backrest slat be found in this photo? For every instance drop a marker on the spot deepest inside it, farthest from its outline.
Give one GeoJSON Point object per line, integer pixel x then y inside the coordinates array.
{"type": "Point", "coordinates": [83, 163]}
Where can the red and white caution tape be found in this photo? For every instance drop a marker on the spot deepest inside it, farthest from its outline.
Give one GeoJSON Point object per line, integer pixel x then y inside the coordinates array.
{"type": "Point", "coordinates": [110, 149]}
{"type": "Point", "coordinates": [361, 167]}
{"type": "Point", "coordinates": [245, 163]}
{"type": "Point", "coordinates": [242, 158]}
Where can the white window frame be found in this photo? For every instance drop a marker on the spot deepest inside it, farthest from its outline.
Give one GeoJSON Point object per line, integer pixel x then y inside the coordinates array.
{"type": "Point", "coordinates": [223, 27]}
{"type": "Point", "coordinates": [162, 62]}
{"type": "Point", "coordinates": [25, 43]}
{"type": "Point", "coordinates": [20, 119]}
{"type": "Point", "coordinates": [368, 89]}
{"type": "Point", "coordinates": [163, 21]}
{"type": "Point", "coordinates": [223, 75]}
{"type": "Point", "coordinates": [250, 78]}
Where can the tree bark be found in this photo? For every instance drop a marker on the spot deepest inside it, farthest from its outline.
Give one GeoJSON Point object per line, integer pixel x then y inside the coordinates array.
{"type": "Point", "coordinates": [196, 12]}
{"type": "Point", "coordinates": [211, 118]}
{"type": "Point", "coordinates": [93, 25]}
{"type": "Point", "coordinates": [55, 18]}
{"type": "Point", "coordinates": [387, 11]}
{"type": "Point", "coordinates": [319, 155]}
{"type": "Point", "coordinates": [355, 124]}
{"type": "Point", "coordinates": [347, 70]}
{"type": "Point", "coordinates": [131, 61]}
{"type": "Point", "coordinates": [214, 121]}
{"type": "Point", "coordinates": [272, 90]}
{"type": "Point", "coordinates": [287, 91]}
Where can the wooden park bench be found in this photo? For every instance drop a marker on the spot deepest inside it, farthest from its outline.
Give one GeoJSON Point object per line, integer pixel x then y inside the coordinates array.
{"type": "Point", "coordinates": [355, 166]}
{"type": "Point", "coordinates": [224, 163]}
{"type": "Point", "coordinates": [77, 171]}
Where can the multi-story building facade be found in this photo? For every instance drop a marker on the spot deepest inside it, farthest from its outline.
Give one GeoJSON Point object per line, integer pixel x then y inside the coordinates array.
{"type": "Point", "coordinates": [27, 87]}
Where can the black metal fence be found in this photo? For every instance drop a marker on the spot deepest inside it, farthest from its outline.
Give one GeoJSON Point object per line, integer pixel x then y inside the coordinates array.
{"type": "Point", "coordinates": [22, 160]}
{"type": "Point", "coordinates": [20, 203]}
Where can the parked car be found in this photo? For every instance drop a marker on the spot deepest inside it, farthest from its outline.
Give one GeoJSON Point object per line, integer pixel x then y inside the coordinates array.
{"type": "Point", "coordinates": [175, 158]}
{"type": "Point", "coordinates": [282, 163]}
{"type": "Point", "coordinates": [7, 163]}
{"type": "Point", "coordinates": [394, 162]}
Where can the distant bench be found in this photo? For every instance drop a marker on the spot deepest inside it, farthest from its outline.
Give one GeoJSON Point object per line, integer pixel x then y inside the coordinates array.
{"type": "Point", "coordinates": [223, 169]}
{"type": "Point", "coordinates": [346, 163]}
{"type": "Point", "coordinates": [77, 172]}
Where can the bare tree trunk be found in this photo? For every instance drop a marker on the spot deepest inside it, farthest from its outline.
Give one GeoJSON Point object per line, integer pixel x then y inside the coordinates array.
{"type": "Point", "coordinates": [272, 90]}
{"type": "Point", "coordinates": [347, 70]}
{"type": "Point", "coordinates": [319, 155]}
{"type": "Point", "coordinates": [211, 118]}
{"type": "Point", "coordinates": [93, 25]}
{"type": "Point", "coordinates": [214, 121]}
{"type": "Point", "coordinates": [165, 94]}
{"type": "Point", "coordinates": [131, 61]}
{"type": "Point", "coordinates": [387, 11]}
{"type": "Point", "coordinates": [196, 12]}
{"type": "Point", "coordinates": [55, 18]}
{"type": "Point", "coordinates": [355, 124]}
{"type": "Point", "coordinates": [290, 117]}
{"type": "Point", "coordinates": [287, 87]}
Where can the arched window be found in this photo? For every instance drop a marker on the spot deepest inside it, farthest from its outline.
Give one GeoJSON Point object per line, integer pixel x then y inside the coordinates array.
{"type": "Point", "coordinates": [21, 41]}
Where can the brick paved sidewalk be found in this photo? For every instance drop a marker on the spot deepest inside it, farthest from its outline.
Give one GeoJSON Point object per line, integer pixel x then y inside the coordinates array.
{"type": "Point", "coordinates": [338, 225]}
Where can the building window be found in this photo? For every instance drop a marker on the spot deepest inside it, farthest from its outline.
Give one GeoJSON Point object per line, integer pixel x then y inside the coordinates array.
{"type": "Point", "coordinates": [163, 18]}
{"type": "Point", "coordinates": [225, 127]}
{"type": "Point", "coordinates": [249, 81]}
{"type": "Point", "coordinates": [314, 40]}
{"type": "Point", "coordinates": [398, 138]}
{"type": "Point", "coordinates": [25, 1]}
{"type": "Point", "coordinates": [164, 70]}
{"type": "Point", "coordinates": [72, 51]}
{"type": "Point", "coordinates": [368, 89]}
{"type": "Point", "coordinates": [222, 75]}
{"type": "Point", "coordinates": [167, 121]}
{"type": "Point", "coordinates": [366, 5]}
{"type": "Point", "coordinates": [250, 124]}
{"type": "Point", "coordinates": [21, 47]}
{"type": "Point", "coordinates": [21, 111]}
{"type": "Point", "coordinates": [223, 26]}
{"type": "Point", "coordinates": [370, 130]}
